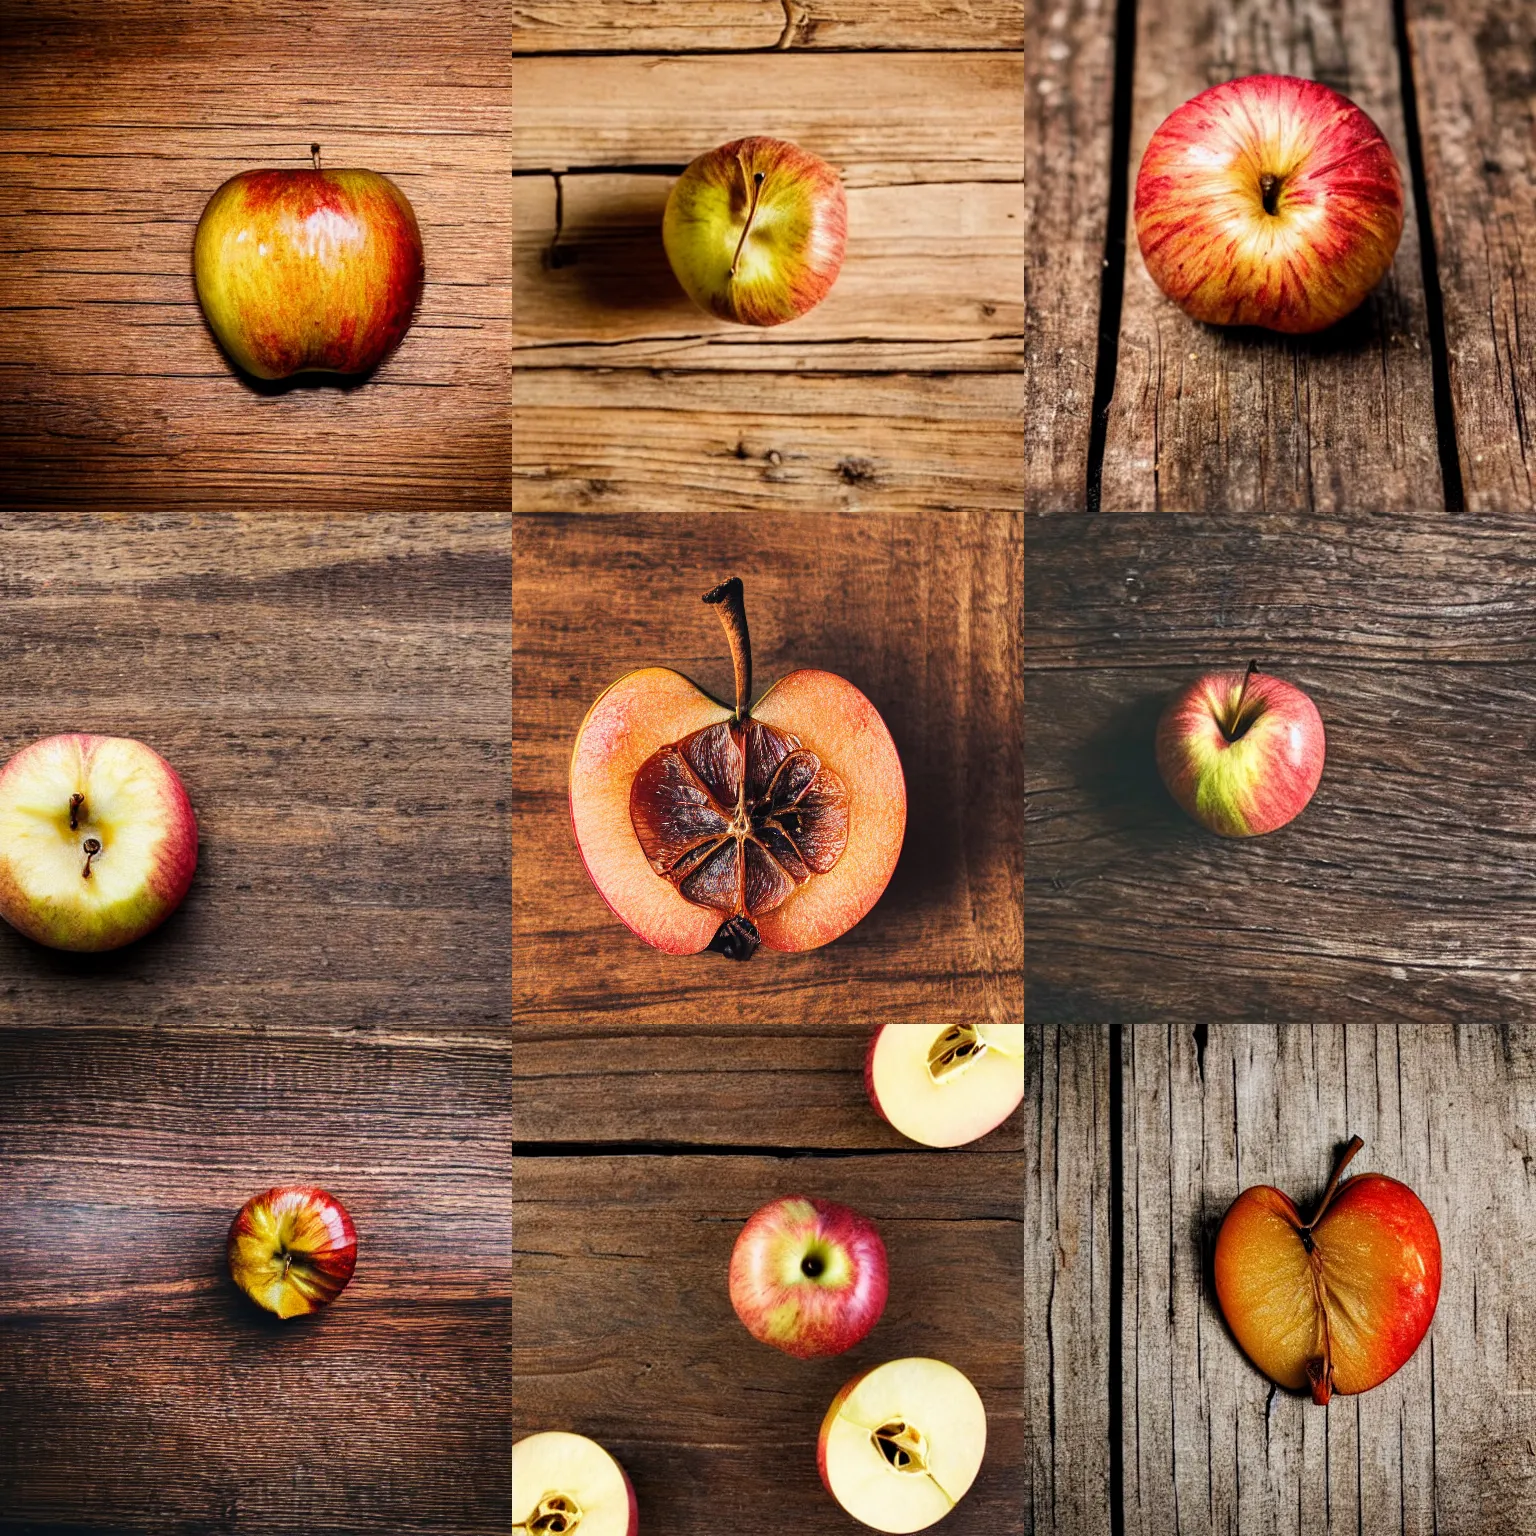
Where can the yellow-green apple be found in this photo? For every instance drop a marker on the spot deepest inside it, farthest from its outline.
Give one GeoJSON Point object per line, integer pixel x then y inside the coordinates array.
{"type": "Point", "coordinates": [568, 1483]}
{"type": "Point", "coordinates": [308, 271]}
{"type": "Point", "coordinates": [755, 230]}
{"type": "Point", "coordinates": [808, 1276]}
{"type": "Point", "coordinates": [1242, 752]}
{"type": "Point", "coordinates": [98, 843]}
{"type": "Point", "coordinates": [945, 1084]}
{"type": "Point", "coordinates": [1337, 1303]}
{"type": "Point", "coordinates": [1268, 201]}
{"type": "Point", "coordinates": [292, 1250]}
{"type": "Point", "coordinates": [707, 827]}
{"type": "Point", "coordinates": [902, 1444]}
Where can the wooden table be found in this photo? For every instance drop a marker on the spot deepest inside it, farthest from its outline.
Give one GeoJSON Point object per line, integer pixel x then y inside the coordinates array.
{"type": "Point", "coordinates": [1354, 512]}
{"type": "Point", "coordinates": [301, 597]}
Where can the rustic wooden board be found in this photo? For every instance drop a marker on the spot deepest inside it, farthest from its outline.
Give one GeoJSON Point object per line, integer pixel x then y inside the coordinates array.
{"type": "Point", "coordinates": [623, 1328]}
{"type": "Point", "coordinates": [1211, 419]}
{"type": "Point", "coordinates": [1472, 68]}
{"type": "Point", "coordinates": [920, 614]}
{"type": "Point", "coordinates": [1442, 1446]}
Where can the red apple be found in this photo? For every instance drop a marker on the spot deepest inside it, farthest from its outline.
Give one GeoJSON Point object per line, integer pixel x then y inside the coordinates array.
{"type": "Point", "coordinates": [1241, 752]}
{"type": "Point", "coordinates": [98, 843]}
{"type": "Point", "coordinates": [808, 1276]}
{"type": "Point", "coordinates": [292, 1250]}
{"type": "Point", "coordinates": [1338, 1303]}
{"type": "Point", "coordinates": [568, 1483]}
{"type": "Point", "coordinates": [1268, 201]}
{"type": "Point", "coordinates": [308, 271]}
{"type": "Point", "coordinates": [755, 230]}
{"type": "Point", "coordinates": [945, 1084]}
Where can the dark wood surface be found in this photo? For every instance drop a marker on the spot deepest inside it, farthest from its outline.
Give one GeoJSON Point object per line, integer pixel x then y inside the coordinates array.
{"type": "Point", "coordinates": [275, 588]}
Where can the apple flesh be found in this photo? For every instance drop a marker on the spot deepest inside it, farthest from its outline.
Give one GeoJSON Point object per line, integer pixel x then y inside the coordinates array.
{"type": "Point", "coordinates": [564, 1483]}
{"type": "Point", "coordinates": [902, 1444]}
{"type": "Point", "coordinates": [1338, 1303]}
{"type": "Point", "coordinates": [808, 1276]}
{"type": "Point", "coordinates": [1268, 201]}
{"type": "Point", "coordinates": [98, 843]}
{"type": "Point", "coordinates": [1242, 753]}
{"type": "Point", "coordinates": [705, 827]}
{"type": "Point", "coordinates": [945, 1084]}
{"type": "Point", "coordinates": [756, 230]}
{"type": "Point", "coordinates": [292, 1250]}
{"type": "Point", "coordinates": [308, 271]}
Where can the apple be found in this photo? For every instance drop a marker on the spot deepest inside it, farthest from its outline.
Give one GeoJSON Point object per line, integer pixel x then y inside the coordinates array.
{"type": "Point", "coordinates": [945, 1084]}
{"type": "Point", "coordinates": [902, 1444]}
{"type": "Point", "coordinates": [566, 1483]}
{"type": "Point", "coordinates": [98, 843]}
{"type": "Point", "coordinates": [755, 230]}
{"type": "Point", "coordinates": [1268, 201]}
{"type": "Point", "coordinates": [308, 271]}
{"type": "Point", "coordinates": [1338, 1303]}
{"type": "Point", "coordinates": [292, 1250]}
{"type": "Point", "coordinates": [808, 1276]}
{"type": "Point", "coordinates": [705, 827]}
{"type": "Point", "coordinates": [1242, 752]}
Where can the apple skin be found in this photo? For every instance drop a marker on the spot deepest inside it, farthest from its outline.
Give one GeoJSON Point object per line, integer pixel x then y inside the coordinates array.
{"type": "Point", "coordinates": [292, 1249]}
{"type": "Point", "coordinates": [808, 1315]}
{"type": "Point", "coordinates": [1376, 1253]}
{"type": "Point", "coordinates": [308, 271]}
{"type": "Point", "coordinates": [795, 238]}
{"type": "Point", "coordinates": [1260, 778]}
{"type": "Point", "coordinates": [1206, 233]}
{"type": "Point", "coordinates": [132, 803]}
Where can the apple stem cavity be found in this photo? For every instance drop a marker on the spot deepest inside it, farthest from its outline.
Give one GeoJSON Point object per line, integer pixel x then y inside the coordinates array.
{"type": "Point", "coordinates": [76, 811]}
{"type": "Point", "coordinates": [91, 847]}
{"type": "Point", "coordinates": [1269, 191]}
{"type": "Point", "coordinates": [754, 185]}
{"type": "Point", "coordinates": [729, 601]}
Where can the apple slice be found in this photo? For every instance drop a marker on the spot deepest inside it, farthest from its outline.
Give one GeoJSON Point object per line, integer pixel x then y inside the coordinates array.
{"type": "Point", "coordinates": [902, 1444]}
{"type": "Point", "coordinates": [292, 1250]}
{"type": "Point", "coordinates": [568, 1485]}
{"type": "Point", "coordinates": [945, 1084]}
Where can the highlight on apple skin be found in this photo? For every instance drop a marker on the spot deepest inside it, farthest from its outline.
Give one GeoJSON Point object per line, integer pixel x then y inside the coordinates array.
{"type": "Point", "coordinates": [292, 1249]}
{"type": "Point", "coordinates": [944, 1085]}
{"type": "Point", "coordinates": [1242, 753]}
{"type": "Point", "coordinates": [303, 270]}
{"type": "Point", "coordinates": [756, 230]}
{"type": "Point", "coordinates": [1336, 1304]}
{"type": "Point", "coordinates": [808, 1276]}
{"type": "Point", "coordinates": [565, 1482]}
{"type": "Point", "coordinates": [98, 841]}
{"type": "Point", "coordinates": [1268, 201]}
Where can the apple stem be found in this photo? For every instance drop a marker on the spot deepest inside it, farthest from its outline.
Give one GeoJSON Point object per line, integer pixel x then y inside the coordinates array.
{"type": "Point", "coordinates": [729, 601]}
{"type": "Point", "coordinates": [1234, 726]}
{"type": "Point", "coordinates": [1269, 190]}
{"type": "Point", "coordinates": [92, 848]}
{"type": "Point", "coordinates": [76, 808]}
{"type": "Point", "coordinates": [1355, 1144]}
{"type": "Point", "coordinates": [314, 154]}
{"type": "Point", "coordinates": [754, 189]}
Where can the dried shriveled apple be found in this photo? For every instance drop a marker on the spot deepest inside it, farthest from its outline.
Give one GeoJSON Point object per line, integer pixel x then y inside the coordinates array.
{"type": "Point", "coordinates": [706, 827]}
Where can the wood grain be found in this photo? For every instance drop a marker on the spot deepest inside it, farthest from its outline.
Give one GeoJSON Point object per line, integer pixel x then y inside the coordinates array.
{"type": "Point", "coordinates": [624, 1329]}
{"type": "Point", "coordinates": [1472, 69]}
{"type": "Point", "coordinates": [1441, 1446]}
{"type": "Point", "coordinates": [1207, 419]}
{"type": "Point", "coordinates": [921, 615]}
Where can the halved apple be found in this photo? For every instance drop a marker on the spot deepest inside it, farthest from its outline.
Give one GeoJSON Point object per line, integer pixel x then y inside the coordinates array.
{"type": "Point", "coordinates": [705, 827]}
{"type": "Point", "coordinates": [902, 1444]}
{"type": "Point", "coordinates": [946, 1084]}
{"type": "Point", "coordinates": [568, 1485]}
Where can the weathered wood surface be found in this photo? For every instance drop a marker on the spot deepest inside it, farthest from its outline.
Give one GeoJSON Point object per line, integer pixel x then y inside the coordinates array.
{"type": "Point", "coordinates": [1443, 1446]}
{"type": "Point", "coordinates": [1473, 67]}
{"type": "Point", "coordinates": [1206, 419]}
{"type": "Point", "coordinates": [921, 614]}
{"type": "Point", "coordinates": [623, 1327]}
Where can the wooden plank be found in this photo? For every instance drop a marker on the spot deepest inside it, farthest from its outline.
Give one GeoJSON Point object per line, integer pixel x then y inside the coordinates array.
{"type": "Point", "coordinates": [1205, 418]}
{"type": "Point", "coordinates": [594, 441]}
{"type": "Point", "coordinates": [1441, 1446]}
{"type": "Point", "coordinates": [1068, 100]}
{"type": "Point", "coordinates": [624, 1329]}
{"type": "Point", "coordinates": [1068, 1204]}
{"type": "Point", "coordinates": [920, 614]}
{"type": "Point", "coordinates": [745, 1086]}
{"type": "Point", "coordinates": [931, 280]}
{"type": "Point", "coordinates": [1471, 68]}
{"type": "Point", "coordinates": [684, 26]}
